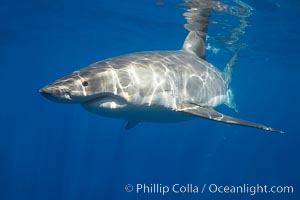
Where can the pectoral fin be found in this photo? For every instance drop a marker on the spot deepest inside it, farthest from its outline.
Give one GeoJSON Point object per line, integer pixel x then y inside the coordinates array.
{"type": "Point", "coordinates": [210, 113]}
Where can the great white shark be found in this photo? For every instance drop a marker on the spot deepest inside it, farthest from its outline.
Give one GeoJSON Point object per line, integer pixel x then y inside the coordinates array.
{"type": "Point", "coordinates": [155, 86]}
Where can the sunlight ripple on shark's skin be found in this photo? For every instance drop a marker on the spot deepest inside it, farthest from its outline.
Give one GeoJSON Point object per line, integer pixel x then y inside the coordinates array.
{"type": "Point", "coordinates": [157, 86]}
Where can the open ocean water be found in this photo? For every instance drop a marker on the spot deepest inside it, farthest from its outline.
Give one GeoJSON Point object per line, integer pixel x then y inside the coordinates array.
{"type": "Point", "coordinates": [52, 151]}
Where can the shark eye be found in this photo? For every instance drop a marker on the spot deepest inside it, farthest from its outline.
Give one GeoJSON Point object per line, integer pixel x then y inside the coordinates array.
{"type": "Point", "coordinates": [85, 83]}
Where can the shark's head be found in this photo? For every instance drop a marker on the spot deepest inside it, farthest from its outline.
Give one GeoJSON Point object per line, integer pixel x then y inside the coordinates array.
{"type": "Point", "coordinates": [78, 87]}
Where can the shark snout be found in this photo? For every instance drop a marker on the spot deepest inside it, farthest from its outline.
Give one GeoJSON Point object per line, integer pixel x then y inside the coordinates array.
{"type": "Point", "coordinates": [56, 94]}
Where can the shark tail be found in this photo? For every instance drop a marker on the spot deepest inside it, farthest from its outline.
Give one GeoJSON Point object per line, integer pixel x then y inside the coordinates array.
{"type": "Point", "coordinates": [229, 68]}
{"type": "Point", "coordinates": [230, 102]}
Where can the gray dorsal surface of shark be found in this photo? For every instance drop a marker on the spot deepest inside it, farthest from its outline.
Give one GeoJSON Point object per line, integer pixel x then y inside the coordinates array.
{"type": "Point", "coordinates": [157, 86]}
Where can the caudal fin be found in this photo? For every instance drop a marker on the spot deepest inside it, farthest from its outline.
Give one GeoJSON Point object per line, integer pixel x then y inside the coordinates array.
{"type": "Point", "coordinates": [229, 68]}
{"type": "Point", "coordinates": [230, 102]}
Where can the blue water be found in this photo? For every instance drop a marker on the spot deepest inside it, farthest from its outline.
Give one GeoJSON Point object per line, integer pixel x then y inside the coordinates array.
{"type": "Point", "coordinates": [53, 151]}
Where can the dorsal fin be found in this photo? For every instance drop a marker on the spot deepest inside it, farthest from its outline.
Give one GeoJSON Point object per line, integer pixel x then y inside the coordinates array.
{"type": "Point", "coordinates": [194, 43]}
{"type": "Point", "coordinates": [131, 124]}
{"type": "Point", "coordinates": [197, 17]}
